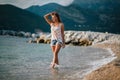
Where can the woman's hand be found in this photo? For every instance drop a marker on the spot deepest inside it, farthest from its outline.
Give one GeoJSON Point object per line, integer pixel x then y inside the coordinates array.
{"type": "Point", "coordinates": [63, 46]}
{"type": "Point", "coordinates": [53, 12]}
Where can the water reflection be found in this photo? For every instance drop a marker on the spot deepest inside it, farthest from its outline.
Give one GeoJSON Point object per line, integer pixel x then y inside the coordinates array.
{"type": "Point", "coordinates": [54, 73]}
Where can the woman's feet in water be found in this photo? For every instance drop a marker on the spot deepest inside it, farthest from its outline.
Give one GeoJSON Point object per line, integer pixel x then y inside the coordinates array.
{"type": "Point", "coordinates": [53, 65]}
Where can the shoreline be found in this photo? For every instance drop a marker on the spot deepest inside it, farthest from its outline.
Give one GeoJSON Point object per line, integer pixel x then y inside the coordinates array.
{"type": "Point", "coordinates": [98, 64]}
{"type": "Point", "coordinates": [111, 70]}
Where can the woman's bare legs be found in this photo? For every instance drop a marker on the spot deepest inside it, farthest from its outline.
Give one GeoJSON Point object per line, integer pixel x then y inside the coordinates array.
{"type": "Point", "coordinates": [55, 50]}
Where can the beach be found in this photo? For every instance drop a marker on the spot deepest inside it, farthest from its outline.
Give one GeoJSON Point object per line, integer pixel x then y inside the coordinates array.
{"type": "Point", "coordinates": [59, 39]}
{"type": "Point", "coordinates": [110, 71]}
{"type": "Point", "coordinates": [88, 56]}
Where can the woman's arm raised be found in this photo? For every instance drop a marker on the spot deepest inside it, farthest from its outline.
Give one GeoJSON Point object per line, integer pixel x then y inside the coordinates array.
{"type": "Point", "coordinates": [47, 19]}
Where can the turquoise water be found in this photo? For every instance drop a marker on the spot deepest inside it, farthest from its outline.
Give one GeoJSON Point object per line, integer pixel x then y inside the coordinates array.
{"type": "Point", "coordinates": [20, 60]}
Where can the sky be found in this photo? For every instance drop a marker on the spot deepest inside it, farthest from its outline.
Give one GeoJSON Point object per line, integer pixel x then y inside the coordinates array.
{"type": "Point", "coordinates": [27, 3]}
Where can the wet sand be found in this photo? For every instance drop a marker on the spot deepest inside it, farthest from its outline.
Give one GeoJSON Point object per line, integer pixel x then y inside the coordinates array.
{"type": "Point", "coordinates": [110, 71]}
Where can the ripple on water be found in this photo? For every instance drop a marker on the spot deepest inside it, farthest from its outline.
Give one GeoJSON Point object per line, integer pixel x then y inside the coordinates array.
{"type": "Point", "coordinates": [23, 61]}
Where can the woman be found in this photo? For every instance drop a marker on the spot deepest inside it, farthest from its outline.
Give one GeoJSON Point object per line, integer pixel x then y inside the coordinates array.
{"type": "Point", "coordinates": [57, 35]}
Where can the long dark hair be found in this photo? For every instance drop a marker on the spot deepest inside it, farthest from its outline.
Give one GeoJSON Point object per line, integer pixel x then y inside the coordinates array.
{"type": "Point", "coordinates": [57, 15]}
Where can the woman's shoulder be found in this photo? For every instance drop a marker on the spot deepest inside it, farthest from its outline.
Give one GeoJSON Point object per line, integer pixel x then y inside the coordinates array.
{"type": "Point", "coordinates": [51, 24]}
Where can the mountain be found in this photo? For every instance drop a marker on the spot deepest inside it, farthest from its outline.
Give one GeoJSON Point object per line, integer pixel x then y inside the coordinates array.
{"type": "Point", "coordinates": [108, 13]}
{"type": "Point", "coordinates": [14, 18]}
{"type": "Point", "coordinates": [100, 16]}
{"type": "Point", "coordinates": [101, 20]}
{"type": "Point", "coordinates": [42, 10]}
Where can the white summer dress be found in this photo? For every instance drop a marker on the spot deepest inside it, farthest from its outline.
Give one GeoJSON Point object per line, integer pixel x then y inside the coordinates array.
{"type": "Point", "coordinates": [56, 35]}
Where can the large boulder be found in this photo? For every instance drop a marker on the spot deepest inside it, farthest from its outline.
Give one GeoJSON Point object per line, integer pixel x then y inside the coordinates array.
{"type": "Point", "coordinates": [67, 40]}
{"type": "Point", "coordinates": [85, 42]}
{"type": "Point", "coordinates": [40, 40]}
{"type": "Point", "coordinates": [12, 33]}
{"type": "Point", "coordinates": [28, 34]}
{"type": "Point", "coordinates": [47, 41]}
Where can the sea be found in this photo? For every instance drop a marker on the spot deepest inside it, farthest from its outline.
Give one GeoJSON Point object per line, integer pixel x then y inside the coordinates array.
{"type": "Point", "coordinates": [20, 60]}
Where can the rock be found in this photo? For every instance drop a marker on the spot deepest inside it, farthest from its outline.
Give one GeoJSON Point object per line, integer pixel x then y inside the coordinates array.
{"type": "Point", "coordinates": [68, 37]}
{"type": "Point", "coordinates": [39, 40]}
{"type": "Point", "coordinates": [67, 40]}
{"type": "Point", "coordinates": [85, 42]}
{"type": "Point", "coordinates": [106, 32]}
{"type": "Point", "coordinates": [10, 32]}
{"type": "Point", "coordinates": [42, 39]}
{"type": "Point", "coordinates": [33, 35]}
{"type": "Point", "coordinates": [13, 33]}
{"type": "Point", "coordinates": [47, 41]}
{"type": "Point", "coordinates": [81, 38]}
{"type": "Point", "coordinates": [89, 36]}
{"type": "Point", "coordinates": [43, 36]}
{"type": "Point", "coordinates": [74, 43]}
{"type": "Point", "coordinates": [21, 34]}
{"type": "Point", "coordinates": [27, 34]}
{"type": "Point", "coordinates": [4, 32]}
{"type": "Point", "coordinates": [30, 41]}
{"type": "Point", "coordinates": [69, 34]}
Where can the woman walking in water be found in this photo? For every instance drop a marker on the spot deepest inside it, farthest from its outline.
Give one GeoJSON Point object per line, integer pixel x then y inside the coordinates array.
{"type": "Point", "coordinates": [57, 35]}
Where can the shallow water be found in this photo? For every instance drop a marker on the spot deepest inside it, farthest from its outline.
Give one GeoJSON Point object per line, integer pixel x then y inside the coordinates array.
{"type": "Point", "coordinates": [20, 60]}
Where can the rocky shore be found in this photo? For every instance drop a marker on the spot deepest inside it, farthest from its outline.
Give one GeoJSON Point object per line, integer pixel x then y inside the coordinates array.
{"type": "Point", "coordinates": [15, 33]}
{"type": "Point", "coordinates": [76, 38]}
{"type": "Point", "coordinates": [79, 38]}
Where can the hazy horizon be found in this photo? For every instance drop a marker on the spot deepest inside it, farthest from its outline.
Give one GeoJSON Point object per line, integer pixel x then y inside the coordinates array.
{"type": "Point", "coordinates": [25, 4]}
